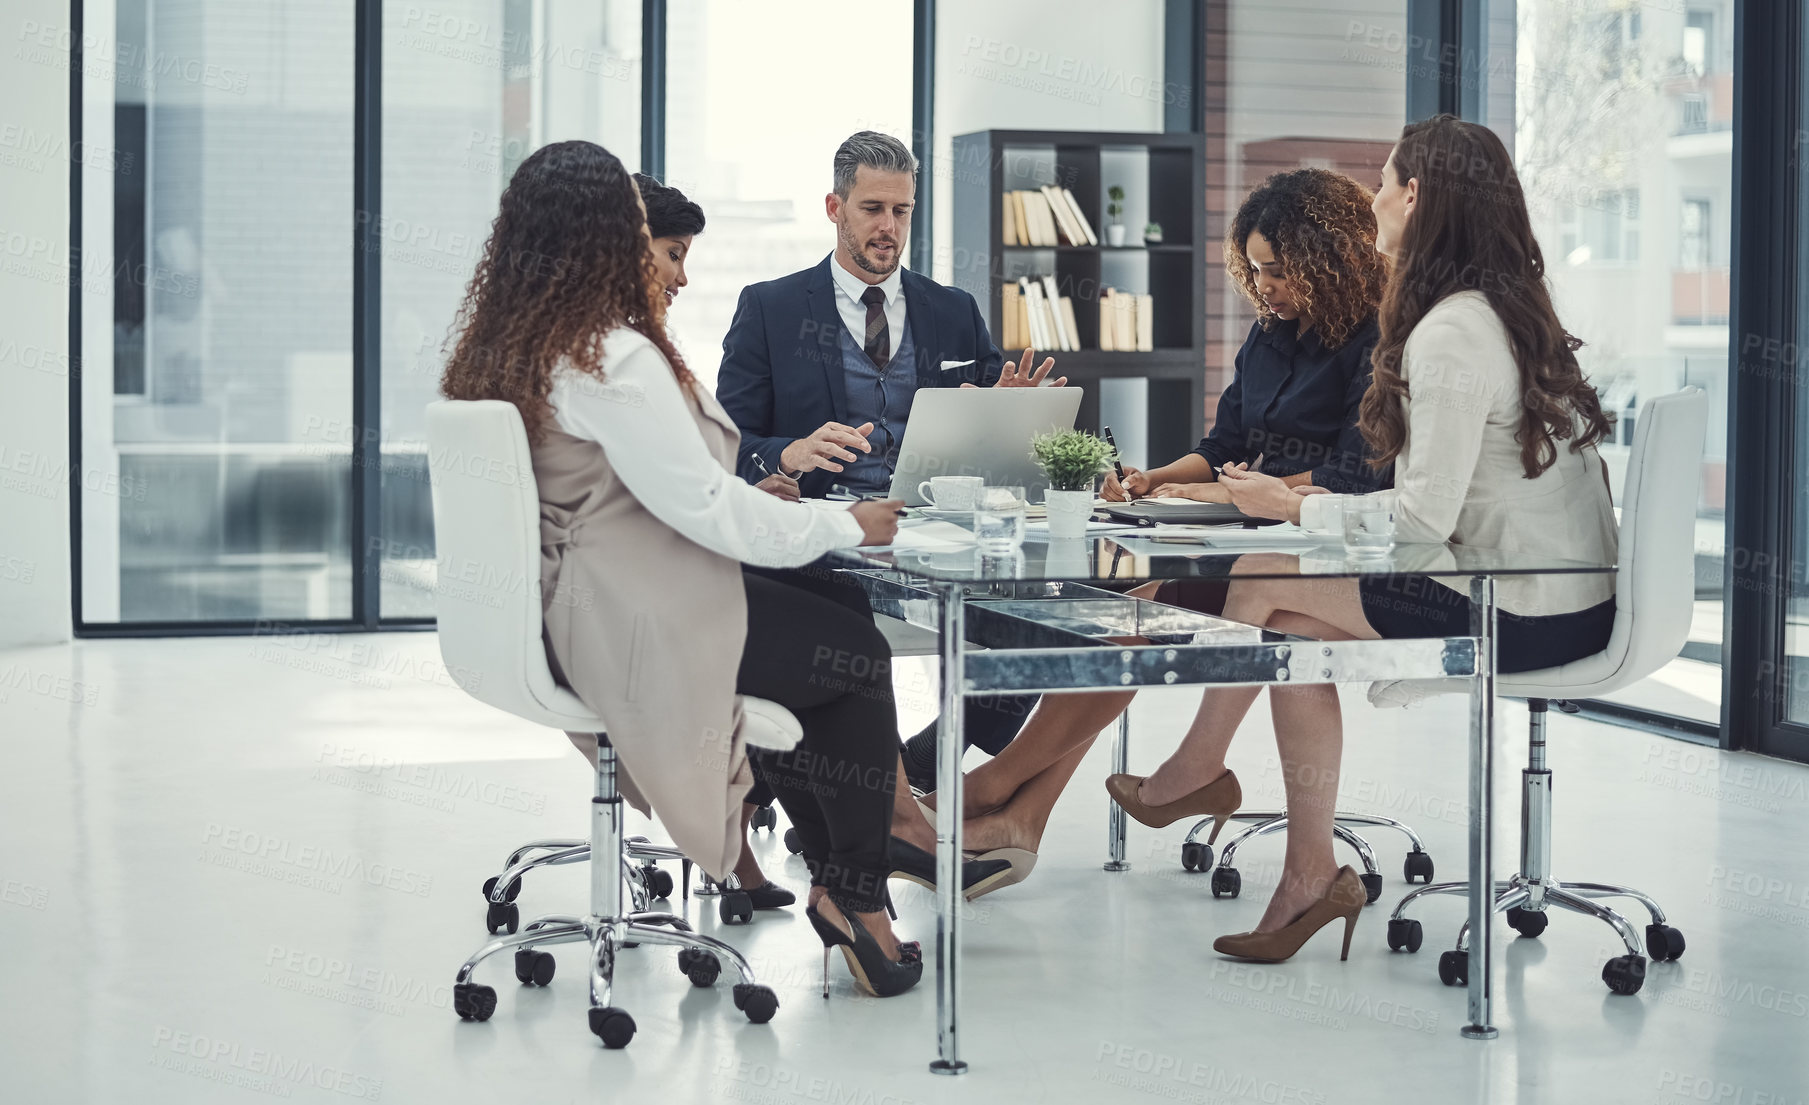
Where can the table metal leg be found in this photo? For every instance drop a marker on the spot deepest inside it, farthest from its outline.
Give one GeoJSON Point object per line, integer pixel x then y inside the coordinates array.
{"type": "Point", "coordinates": [1115, 816]}
{"type": "Point", "coordinates": [948, 834]}
{"type": "Point", "coordinates": [1482, 826]}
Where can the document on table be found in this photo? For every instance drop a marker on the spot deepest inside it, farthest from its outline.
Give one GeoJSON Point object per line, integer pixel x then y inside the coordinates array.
{"type": "Point", "coordinates": [1206, 540]}
{"type": "Point", "coordinates": [924, 535]}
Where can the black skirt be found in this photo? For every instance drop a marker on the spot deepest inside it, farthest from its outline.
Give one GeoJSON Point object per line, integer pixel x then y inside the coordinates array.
{"type": "Point", "coordinates": [1419, 606]}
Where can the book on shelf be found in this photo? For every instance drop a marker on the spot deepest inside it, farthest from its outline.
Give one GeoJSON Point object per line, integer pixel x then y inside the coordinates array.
{"type": "Point", "coordinates": [1126, 322]}
{"type": "Point", "coordinates": [1081, 218]}
{"type": "Point", "coordinates": [1036, 314]}
{"type": "Point", "coordinates": [1008, 313]}
{"type": "Point", "coordinates": [1064, 219]}
{"type": "Point", "coordinates": [1052, 298]}
{"type": "Point", "coordinates": [1047, 216]}
{"type": "Point", "coordinates": [1068, 321]}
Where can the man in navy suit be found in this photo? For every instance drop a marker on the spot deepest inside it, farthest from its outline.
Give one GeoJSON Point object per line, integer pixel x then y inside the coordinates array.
{"type": "Point", "coordinates": [819, 368]}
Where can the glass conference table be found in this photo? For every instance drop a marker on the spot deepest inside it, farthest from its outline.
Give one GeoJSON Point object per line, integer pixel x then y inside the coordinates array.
{"type": "Point", "coordinates": [1045, 618]}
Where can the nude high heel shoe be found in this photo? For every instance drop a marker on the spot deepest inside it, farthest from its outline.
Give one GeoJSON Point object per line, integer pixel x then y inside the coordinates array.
{"type": "Point", "coordinates": [1218, 800]}
{"type": "Point", "coordinates": [1345, 898]}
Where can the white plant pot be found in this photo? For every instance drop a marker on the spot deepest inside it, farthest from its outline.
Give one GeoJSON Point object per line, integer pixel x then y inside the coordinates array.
{"type": "Point", "coordinates": [1115, 234]}
{"type": "Point", "coordinates": [1068, 513]}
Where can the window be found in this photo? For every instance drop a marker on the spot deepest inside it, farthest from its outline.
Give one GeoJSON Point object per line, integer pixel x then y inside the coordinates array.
{"type": "Point", "coordinates": [1595, 145]}
{"type": "Point", "coordinates": [761, 186]}
{"type": "Point", "coordinates": [1693, 234]}
{"type": "Point", "coordinates": [470, 89]}
{"type": "Point", "coordinates": [217, 323]}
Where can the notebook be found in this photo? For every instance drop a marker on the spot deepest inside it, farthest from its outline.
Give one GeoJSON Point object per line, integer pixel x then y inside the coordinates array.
{"type": "Point", "coordinates": [1184, 512]}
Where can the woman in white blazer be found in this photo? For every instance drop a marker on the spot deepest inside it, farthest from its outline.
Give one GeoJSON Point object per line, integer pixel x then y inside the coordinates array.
{"type": "Point", "coordinates": [1478, 401]}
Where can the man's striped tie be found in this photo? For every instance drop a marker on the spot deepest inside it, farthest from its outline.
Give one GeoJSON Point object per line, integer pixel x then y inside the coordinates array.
{"type": "Point", "coordinates": [879, 341]}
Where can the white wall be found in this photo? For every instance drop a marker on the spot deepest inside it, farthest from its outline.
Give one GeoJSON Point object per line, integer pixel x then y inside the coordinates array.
{"type": "Point", "coordinates": [34, 314]}
{"type": "Point", "coordinates": [1039, 65]}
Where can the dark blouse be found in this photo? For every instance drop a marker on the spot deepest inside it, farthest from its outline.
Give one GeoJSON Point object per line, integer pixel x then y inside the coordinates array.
{"type": "Point", "coordinates": [1293, 402]}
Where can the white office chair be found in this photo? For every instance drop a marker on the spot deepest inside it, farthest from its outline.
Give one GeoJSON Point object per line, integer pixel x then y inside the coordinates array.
{"type": "Point", "coordinates": [487, 519]}
{"type": "Point", "coordinates": [1653, 596]}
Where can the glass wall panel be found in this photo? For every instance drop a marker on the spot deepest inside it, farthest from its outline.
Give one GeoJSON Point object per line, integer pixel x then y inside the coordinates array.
{"type": "Point", "coordinates": [470, 89]}
{"type": "Point", "coordinates": [755, 108]}
{"type": "Point", "coordinates": [217, 215]}
{"type": "Point", "coordinates": [1621, 124]}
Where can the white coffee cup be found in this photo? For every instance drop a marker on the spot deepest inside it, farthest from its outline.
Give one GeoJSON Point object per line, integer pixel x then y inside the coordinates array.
{"type": "Point", "coordinates": [951, 492]}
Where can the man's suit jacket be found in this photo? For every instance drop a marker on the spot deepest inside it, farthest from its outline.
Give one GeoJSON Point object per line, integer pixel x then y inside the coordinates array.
{"type": "Point", "coordinates": [782, 377]}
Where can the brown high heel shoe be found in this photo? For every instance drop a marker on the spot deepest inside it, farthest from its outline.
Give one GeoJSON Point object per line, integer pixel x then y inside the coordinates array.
{"type": "Point", "coordinates": [1344, 898]}
{"type": "Point", "coordinates": [1218, 800]}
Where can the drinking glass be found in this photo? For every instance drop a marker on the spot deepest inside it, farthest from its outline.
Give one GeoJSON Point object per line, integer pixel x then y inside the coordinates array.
{"type": "Point", "coordinates": [999, 520]}
{"type": "Point", "coordinates": [1369, 524]}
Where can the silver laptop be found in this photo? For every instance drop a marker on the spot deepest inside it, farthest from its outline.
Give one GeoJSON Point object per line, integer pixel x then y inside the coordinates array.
{"type": "Point", "coordinates": [982, 432]}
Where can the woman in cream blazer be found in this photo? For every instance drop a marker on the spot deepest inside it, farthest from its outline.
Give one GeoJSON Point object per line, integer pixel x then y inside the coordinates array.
{"type": "Point", "coordinates": [1478, 401]}
{"type": "Point", "coordinates": [644, 528]}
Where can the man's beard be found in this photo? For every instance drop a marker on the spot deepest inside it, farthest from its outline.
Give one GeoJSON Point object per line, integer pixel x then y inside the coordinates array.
{"type": "Point", "coordinates": [865, 262]}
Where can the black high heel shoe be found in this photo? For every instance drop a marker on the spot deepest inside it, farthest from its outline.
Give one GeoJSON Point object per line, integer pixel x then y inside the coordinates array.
{"type": "Point", "coordinates": [873, 972]}
{"type": "Point", "coordinates": [913, 863]}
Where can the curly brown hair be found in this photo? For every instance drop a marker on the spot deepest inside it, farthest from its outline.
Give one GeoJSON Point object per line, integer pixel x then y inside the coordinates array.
{"type": "Point", "coordinates": [1470, 231]}
{"type": "Point", "coordinates": [1322, 231]}
{"type": "Point", "coordinates": [568, 260]}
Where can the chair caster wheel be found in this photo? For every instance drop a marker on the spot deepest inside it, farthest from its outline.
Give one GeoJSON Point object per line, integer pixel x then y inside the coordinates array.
{"type": "Point", "coordinates": [473, 1002]}
{"type": "Point", "coordinates": [793, 842]}
{"type": "Point", "coordinates": [1195, 856]}
{"type": "Point", "coordinates": [534, 968]}
{"type": "Point", "coordinates": [1372, 886]}
{"type": "Point", "coordinates": [1527, 922]}
{"type": "Point", "coordinates": [757, 1001]}
{"type": "Point", "coordinates": [1625, 974]}
{"type": "Point", "coordinates": [735, 907]}
{"type": "Point", "coordinates": [1418, 865]}
{"type": "Point", "coordinates": [659, 883]}
{"type": "Point", "coordinates": [611, 1025]}
{"type": "Point", "coordinates": [1226, 882]}
{"type": "Point", "coordinates": [509, 895]}
{"type": "Point", "coordinates": [1405, 934]}
{"type": "Point", "coordinates": [765, 818]}
{"type": "Point", "coordinates": [1664, 943]}
{"type": "Point", "coordinates": [699, 966]}
{"type": "Point", "coordinates": [502, 917]}
{"type": "Point", "coordinates": [1454, 968]}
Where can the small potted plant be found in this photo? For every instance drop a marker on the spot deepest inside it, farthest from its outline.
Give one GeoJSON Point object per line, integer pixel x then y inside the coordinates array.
{"type": "Point", "coordinates": [1114, 228]}
{"type": "Point", "coordinates": [1152, 234]}
{"type": "Point", "coordinates": [1072, 461]}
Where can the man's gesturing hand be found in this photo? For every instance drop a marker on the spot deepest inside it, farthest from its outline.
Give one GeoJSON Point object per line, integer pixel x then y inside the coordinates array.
{"type": "Point", "coordinates": [1019, 374]}
{"type": "Point", "coordinates": [831, 442]}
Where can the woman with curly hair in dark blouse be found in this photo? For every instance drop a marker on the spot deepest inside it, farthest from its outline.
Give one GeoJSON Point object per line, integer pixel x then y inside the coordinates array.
{"type": "Point", "coordinates": [1302, 250]}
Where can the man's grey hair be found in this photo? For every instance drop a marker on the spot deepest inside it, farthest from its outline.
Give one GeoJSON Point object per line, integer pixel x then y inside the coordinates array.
{"type": "Point", "coordinates": [876, 151]}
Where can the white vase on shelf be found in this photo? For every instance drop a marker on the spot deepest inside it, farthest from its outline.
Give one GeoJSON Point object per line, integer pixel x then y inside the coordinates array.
{"type": "Point", "coordinates": [1115, 234]}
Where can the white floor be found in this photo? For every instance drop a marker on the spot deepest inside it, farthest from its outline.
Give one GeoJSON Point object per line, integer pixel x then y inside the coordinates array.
{"type": "Point", "coordinates": [243, 869]}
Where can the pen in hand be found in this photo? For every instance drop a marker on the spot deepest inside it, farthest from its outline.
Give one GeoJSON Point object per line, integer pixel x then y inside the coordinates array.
{"type": "Point", "coordinates": [1117, 461]}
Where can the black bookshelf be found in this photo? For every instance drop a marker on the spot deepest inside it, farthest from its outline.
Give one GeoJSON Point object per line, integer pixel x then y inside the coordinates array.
{"type": "Point", "coordinates": [1170, 171]}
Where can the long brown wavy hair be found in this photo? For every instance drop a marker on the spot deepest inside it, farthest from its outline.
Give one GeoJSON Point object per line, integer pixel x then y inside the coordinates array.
{"type": "Point", "coordinates": [568, 260]}
{"type": "Point", "coordinates": [1324, 235]}
{"type": "Point", "coordinates": [1470, 231]}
